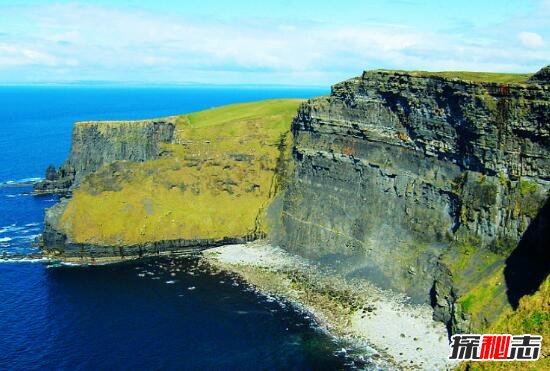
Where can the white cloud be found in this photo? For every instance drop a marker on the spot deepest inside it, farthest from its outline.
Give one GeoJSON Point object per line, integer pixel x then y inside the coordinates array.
{"type": "Point", "coordinates": [70, 41]}
{"type": "Point", "coordinates": [531, 40]}
{"type": "Point", "coordinates": [18, 55]}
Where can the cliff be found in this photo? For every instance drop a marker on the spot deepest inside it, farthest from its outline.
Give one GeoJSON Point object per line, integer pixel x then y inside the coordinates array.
{"type": "Point", "coordinates": [430, 184]}
{"type": "Point", "coordinates": [98, 143]}
{"type": "Point", "coordinates": [146, 187]}
{"type": "Point", "coordinates": [425, 184]}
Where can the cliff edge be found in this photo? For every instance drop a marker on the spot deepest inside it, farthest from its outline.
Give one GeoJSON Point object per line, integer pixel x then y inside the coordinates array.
{"type": "Point", "coordinates": [430, 184]}
{"type": "Point", "coordinates": [95, 143]}
{"type": "Point", "coordinates": [154, 186]}
{"type": "Point", "coordinates": [426, 184]}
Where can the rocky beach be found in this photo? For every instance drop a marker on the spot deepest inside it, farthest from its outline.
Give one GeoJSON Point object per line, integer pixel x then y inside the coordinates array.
{"type": "Point", "coordinates": [392, 332]}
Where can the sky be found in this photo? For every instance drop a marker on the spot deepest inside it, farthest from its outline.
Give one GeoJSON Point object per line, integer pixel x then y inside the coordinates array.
{"type": "Point", "coordinates": [287, 42]}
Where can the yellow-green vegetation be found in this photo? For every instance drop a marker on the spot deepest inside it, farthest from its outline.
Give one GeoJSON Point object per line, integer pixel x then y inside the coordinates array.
{"type": "Point", "coordinates": [502, 78]}
{"type": "Point", "coordinates": [483, 299]}
{"type": "Point", "coordinates": [478, 276]}
{"type": "Point", "coordinates": [213, 181]}
{"type": "Point", "coordinates": [496, 77]}
{"type": "Point", "coordinates": [529, 198]}
{"type": "Point", "coordinates": [531, 317]}
{"type": "Point", "coordinates": [526, 187]}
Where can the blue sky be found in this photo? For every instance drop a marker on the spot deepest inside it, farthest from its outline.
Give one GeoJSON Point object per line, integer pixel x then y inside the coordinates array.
{"type": "Point", "coordinates": [269, 42]}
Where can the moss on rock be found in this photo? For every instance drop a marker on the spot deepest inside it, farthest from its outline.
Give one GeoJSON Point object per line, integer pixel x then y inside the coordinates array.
{"type": "Point", "coordinates": [212, 181]}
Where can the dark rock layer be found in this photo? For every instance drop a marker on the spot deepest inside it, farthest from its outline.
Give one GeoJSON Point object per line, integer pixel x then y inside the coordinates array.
{"type": "Point", "coordinates": [98, 143]}
{"type": "Point", "coordinates": [421, 184]}
{"type": "Point", "coordinates": [395, 173]}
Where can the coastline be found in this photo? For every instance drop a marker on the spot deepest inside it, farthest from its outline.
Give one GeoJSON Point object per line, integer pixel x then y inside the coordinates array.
{"type": "Point", "coordinates": [401, 335]}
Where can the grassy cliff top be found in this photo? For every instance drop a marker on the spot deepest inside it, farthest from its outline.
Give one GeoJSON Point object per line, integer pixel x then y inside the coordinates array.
{"type": "Point", "coordinates": [531, 317]}
{"type": "Point", "coordinates": [212, 181]}
{"type": "Point", "coordinates": [491, 77]}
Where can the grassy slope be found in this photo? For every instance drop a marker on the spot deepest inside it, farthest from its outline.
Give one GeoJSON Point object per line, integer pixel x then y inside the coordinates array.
{"type": "Point", "coordinates": [531, 317]}
{"type": "Point", "coordinates": [212, 183]}
{"type": "Point", "coordinates": [503, 78]}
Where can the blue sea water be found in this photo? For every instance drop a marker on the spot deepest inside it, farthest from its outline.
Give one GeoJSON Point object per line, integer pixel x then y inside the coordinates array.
{"type": "Point", "coordinates": [153, 314]}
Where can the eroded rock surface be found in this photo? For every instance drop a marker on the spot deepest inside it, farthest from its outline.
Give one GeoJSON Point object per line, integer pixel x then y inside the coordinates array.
{"type": "Point", "coordinates": [422, 184]}
{"type": "Point", "coordinates": [97, 143]}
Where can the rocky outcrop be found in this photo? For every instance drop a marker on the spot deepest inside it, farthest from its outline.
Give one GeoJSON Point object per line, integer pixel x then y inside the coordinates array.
{"type": "Point", "coordinates": [96, 143]}
{"type": "Point", "coordinates": [424, 184]}
{"type": "Point", "coordinates": [56, 244]}
{"type": "Point", "coordinates": [149, 187]}
{"type": "Point", "coordinates": [56, 180]}
{"type": "Point", "coordinates": [541, 77]}
{"type": "Point", "coordinates": [421, 184]}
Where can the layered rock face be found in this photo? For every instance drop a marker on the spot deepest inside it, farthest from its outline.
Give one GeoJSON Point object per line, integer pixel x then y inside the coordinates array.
{"type": "Point", "coordinates": [97, 143]}
{"type": "Point", "coordinates": [149, 187]}
{"type": "Point", "coordinates": [431, 186]}
{"type": "Point", "coordinates": [421, 184]}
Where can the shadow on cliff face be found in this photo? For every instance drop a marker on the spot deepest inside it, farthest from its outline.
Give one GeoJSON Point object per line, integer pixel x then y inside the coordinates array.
{"type": "Point", "coordinates": [529, 264]}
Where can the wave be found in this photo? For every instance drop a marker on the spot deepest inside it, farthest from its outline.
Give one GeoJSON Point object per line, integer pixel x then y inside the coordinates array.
{"type": "Point", "coordinates": [14, 228]}
{"type": "Point", "coordinates": [8, 228]}
{"type": "Point", "coordinates": [15, 195]}
{"type": "Point", "coordinates": [29, 230]}
{"type": "Point", "coordinates": [23, 260]}
{"type": "Point", "coordinates": [27, 237]}
{"type": "Point", "coordinates": [57, 264]}
{"type": "Point", "coordinates": [22, 181]}
{"type": "Point", "coordinates": [5, 239]}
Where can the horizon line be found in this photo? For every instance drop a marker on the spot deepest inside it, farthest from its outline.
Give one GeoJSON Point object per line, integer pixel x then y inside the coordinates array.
{"type": "Point", "coordinates": [114, 83]}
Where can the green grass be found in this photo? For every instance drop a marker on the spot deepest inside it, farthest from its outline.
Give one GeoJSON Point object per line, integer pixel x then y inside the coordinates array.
{"type": "Point", "coordinates": [529, 198]}
{"type": "Point", "coordinates": [526, 187]}
{"type": "Point", "coordinates": [467, 303]}
{"type": "Point", "coordinates": [531, 317]}
{"type": "Point", "coordinates": [478, 277]}
{"type": "Point", "coordinates": [483, 301]}
{"type": "Point", "coordinates": [536, 322]}
{"type": "Point", "coordinates": [496, 77]}
{"type": "Point", "coordinates": [216, 179]}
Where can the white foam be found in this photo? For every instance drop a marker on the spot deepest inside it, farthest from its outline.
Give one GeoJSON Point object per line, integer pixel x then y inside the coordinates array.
{"type": "Point", "coordinates": [10, 228]}
{"type": "Point", "coordinates": [30, 237]}
{"type": "Point", "coordinates": [67, 264]}
{"type": "Point", "coordinates": [5, 239]}
{"type": "Point", "coordinates": [32, 224]}
{"type": "Point", "coordinates": [22, 181]}
{"type": "Point", "coordinates": [19, 260]}
{"type": "Point", "coordinates": [170, 282]}
{"type": "Point", "coordinates": [30, 230]}
{"type": "Point", "coordinates": [6, 228]}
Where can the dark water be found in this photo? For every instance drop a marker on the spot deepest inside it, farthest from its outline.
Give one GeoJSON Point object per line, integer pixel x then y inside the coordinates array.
{"type": "Point", "coordinates": [36, 125]}
{"type": "Point", "coordinates": [140, 315]}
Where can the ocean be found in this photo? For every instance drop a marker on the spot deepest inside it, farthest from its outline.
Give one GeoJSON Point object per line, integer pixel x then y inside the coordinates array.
{"type": "Point", "coordinates": [152, 314]}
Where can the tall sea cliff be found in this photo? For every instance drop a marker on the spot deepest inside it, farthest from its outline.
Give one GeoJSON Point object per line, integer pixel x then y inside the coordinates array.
{"type": "Point", "coordinates": [425, 184]}
{"type": "Point", "coordinates": [428, 185]}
